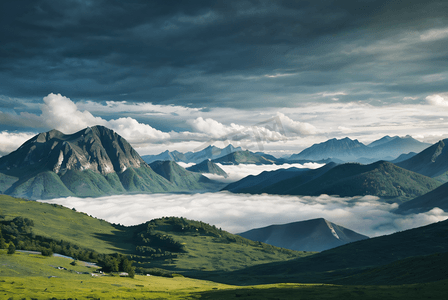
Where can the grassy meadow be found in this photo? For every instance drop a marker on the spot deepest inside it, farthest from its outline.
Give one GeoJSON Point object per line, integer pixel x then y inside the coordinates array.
{"type": "Point", "coordinates": [31, 276]}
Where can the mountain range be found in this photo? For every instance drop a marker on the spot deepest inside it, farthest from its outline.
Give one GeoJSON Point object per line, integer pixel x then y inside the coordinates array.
{"type": "Point", "coordinates": [386, 148]}
{"type": "Point", "coordinates": [210, 152]}
{"type": "Point", "coordinates": [310, 235]}
{"type": "Point", "coordinates": [278, 181]}
{"type": "Point", "coordinates": [93, 162]}
{"type": "Point", "coordinates": [382, 179]}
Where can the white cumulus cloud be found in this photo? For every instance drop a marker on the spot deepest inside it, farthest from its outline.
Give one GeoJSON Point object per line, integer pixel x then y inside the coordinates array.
{"type": "Point", "coordinates": [296, 127]}
{"type": "Point", "coordinates": [59, 112]}
{"type": "Point", "coordinates": [10, 141]}
{"type": "Point", "coordinates": [437, 100]}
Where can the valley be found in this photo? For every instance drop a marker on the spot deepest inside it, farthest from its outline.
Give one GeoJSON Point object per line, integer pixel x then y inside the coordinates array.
{"type": "Point", "coordinates": [99, 201]}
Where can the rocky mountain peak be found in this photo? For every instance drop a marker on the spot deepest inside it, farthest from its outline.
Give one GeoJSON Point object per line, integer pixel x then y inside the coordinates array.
{"type": "Point", "coordinates": [96, 148]}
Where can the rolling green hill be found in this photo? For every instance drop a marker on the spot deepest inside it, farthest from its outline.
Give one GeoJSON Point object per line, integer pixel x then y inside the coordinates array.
{"type": "Point", "coordinates": [160, 243]}
{"type": "Point", "coordinates": [361, 257]}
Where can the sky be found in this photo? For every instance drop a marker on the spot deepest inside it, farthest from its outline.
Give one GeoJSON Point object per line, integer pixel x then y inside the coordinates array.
{"type": "Point", "coordinates": [272, 76]}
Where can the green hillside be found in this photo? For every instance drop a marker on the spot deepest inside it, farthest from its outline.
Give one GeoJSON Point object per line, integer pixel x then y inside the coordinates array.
{"type": "Point", "coordinates": [334, 265]}
{"type": "Point", "coordinates": [160, 243]}
{"type": "Point", "coordinates": [30, 276]}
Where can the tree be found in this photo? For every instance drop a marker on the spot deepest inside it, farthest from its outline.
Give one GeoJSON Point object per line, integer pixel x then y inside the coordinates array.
{"type": "Point", "coordinates": [2, 243]}
{"type": "Point", "coordinates": [131, 272]}
{"type": "Point", "coordinates": [11, 248]}
{"type": "Point", "coordinates": [2, 240]}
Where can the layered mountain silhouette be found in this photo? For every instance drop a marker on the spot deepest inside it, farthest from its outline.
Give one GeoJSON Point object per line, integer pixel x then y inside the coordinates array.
{"type": "Point", "coordinates": [276, 182]}
{"type": "Point", "coordinates": [431, 162]}
{"type": "Point", "coordinates": [208, 167]}
{"type": "Point", "coordinates": [382, 179]}
{"type": "Point", "coordinates": [244, 157]}
{"type": "Point", "coordinates": [310, 235]}
{"type": "Point", "coordinates": [435, 198]}
{"type": "Point", "coordinates": [182, 178]}
{"type": "Point", "coordinates": [95, 161]}
{"type": "Point", "coordinates": [386, 148]}
{"type": "Point", "coordinates": [211, 152]}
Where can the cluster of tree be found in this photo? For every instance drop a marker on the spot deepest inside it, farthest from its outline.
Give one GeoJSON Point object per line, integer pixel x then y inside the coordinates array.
{"type": "Point", "coordinates": [153, 244]}
{"type": "Point", "coordinates": [116, 263]}
{"type": "Point", "coordinates": [190, 227]}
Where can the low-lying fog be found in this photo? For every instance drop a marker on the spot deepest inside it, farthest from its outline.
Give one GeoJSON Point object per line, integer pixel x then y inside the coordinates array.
{"type": "Point", "coordinates": [240, 212]}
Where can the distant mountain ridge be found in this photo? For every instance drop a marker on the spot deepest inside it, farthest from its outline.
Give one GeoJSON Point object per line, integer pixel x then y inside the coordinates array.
{"type": "Point", "coordinates": [386, 148]}
{"type": "Point", "coordinates": [182, 178]}
{"type": "Point", "coordinates": [211, 152]}
{"type": "Point", "coordinates": [382, 179]}
{"type": "Point", "coordinates": [243, 157]}
{"type": "Point", "coordinates": [310, 235]}
{"type": "Point", "coordinates": [92, 162]}
{"type": "Point", "coordinates": [278, 181]}
{"type": "Point", "coordinates": [208, 167]}
{"type": "Point", "coordinates": [432, 162]}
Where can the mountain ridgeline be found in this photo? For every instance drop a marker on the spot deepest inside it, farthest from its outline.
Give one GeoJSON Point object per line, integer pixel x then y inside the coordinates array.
{"type": "Point", "coordinates": [210, 152]}
{"type": "Point", "coordinates": [382, 179]}
{"type": "Point", "coordinates": [93, 162]}
{"type": "Point", "coordinates": [432, 162]}
{"type": "Point", "coordinates": [386, 148]}
{"type": "Point", "coordinates": [310, 235]}
{"type": "Point", "coordinates": [208, 167]}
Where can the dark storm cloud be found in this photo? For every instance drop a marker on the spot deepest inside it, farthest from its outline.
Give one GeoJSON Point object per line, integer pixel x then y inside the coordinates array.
{"type": "Point", "coordinates": [222, 52]}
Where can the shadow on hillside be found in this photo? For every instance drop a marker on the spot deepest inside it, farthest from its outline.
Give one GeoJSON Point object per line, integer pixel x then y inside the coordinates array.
{"type": "Point", "coordinates": [119, 241]}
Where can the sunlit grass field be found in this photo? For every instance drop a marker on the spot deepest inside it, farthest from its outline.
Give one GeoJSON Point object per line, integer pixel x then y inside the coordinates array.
{"type": "Point", "coordinates": [60, 223]}
{"type": "Point", "coordinates": [30, 276]}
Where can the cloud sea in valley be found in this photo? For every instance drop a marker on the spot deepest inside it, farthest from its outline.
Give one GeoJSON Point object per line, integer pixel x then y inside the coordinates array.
{"type": "Point", "coordinates": [240, 212]}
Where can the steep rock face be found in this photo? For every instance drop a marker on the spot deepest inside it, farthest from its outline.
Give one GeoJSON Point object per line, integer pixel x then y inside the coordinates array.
{"type": "Point", "coordinates": [95, 148]}
{"type": "Point", "coordinates": [310, 235]}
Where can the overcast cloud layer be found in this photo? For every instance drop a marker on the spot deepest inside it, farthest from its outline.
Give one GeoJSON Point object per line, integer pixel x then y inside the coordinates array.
{"type": "Point", "coordinates": [240, 212]}
{"type": "Point", "coordinates": [273, 76]}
